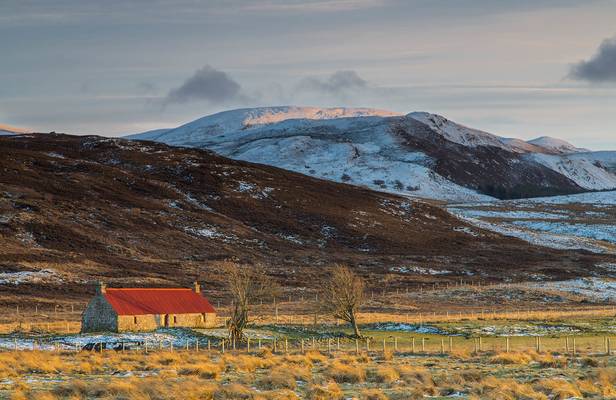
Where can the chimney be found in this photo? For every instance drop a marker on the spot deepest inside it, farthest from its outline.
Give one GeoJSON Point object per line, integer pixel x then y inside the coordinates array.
{"type": "Point", "coordinates": [196, 287]}
{"type": "Point", "coordinates": [101, 288]}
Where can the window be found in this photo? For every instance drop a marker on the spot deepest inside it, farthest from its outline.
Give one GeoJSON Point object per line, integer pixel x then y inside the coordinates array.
{"type": "Point", "coordinates": [175, 319]}
{"type": "Point", "coordinates": [135, 320]}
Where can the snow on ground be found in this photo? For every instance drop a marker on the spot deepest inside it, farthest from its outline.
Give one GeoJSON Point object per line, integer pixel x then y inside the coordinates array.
{"type": "Point", "coordinates": [419, 270]}
{"type": "Point", "coordinates": [164, 337]}
{"type": "Point", "coordinates": [21, 277]}
{"type": "Point", "coordinates": [593, 288]}
{"type": "Point", "coordinates": [591, 231]}
{"type": "Point", "coordinates": [546, 239]}
{"type": "Point", "coordinates": [520, 330]}
{"type": "Point", "coordinates": [507, 214]}
{"type": "Point", "coordinates": [396, 327]}
{"type": "Point", "coordinates": [210, 233]}
{"type": "Point", "coordinates": [601, 198]}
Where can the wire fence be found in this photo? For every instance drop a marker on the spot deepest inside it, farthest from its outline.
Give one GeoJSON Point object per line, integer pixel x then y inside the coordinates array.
{"type": "Point", "coordinates": [408, 345]}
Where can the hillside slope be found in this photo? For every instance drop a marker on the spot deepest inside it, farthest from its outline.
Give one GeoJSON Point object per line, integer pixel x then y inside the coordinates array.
{"type": "Point", "coordinates": [75, 209]}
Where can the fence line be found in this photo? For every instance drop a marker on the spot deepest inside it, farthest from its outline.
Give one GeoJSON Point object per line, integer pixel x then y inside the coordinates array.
{"type": "Point", "coordinates": [408, 345]}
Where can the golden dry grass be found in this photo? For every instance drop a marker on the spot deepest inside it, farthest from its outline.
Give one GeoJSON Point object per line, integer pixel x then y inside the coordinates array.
{"type": "Point", "coordinates": [263, 376]}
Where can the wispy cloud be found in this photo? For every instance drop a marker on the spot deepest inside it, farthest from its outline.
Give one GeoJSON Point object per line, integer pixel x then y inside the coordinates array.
{"type": "Point", "coordinates": [601, 67]}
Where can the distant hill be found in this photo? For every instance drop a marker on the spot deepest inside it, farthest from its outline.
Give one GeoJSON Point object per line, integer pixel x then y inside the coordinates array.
{"type": "Point", "coordinates": [418, 154]}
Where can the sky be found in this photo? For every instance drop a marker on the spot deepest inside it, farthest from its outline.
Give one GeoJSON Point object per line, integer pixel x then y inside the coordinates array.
{"type": "Point", "coordinates": [514, 68]}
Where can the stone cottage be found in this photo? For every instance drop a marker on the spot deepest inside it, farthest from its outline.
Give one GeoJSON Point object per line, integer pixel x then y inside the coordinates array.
{"type": "Point", "coordinates": [145, 309]}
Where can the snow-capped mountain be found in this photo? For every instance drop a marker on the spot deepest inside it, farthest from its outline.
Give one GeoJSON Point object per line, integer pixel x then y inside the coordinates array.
{"type": "Point", "coordinates": [226, 122]}
{"type": "Point", "coordinates": [418, 154]}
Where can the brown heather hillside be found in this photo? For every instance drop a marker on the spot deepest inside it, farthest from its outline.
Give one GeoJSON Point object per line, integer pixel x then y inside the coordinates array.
{"type": "Point", "coordinates": [140, 213]}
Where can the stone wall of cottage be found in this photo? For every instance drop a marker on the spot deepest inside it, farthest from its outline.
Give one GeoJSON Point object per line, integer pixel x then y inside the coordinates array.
{"type": "Point", "coordinates": [99, 316]}
{"type": "Point", "coordinates": [134, 323]}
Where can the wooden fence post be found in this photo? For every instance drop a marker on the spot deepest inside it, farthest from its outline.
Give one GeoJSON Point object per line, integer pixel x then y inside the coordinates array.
{"type": "Point", "coordinates": [367, 344]}
{"type": "Point", "coordinates": [222, 344]}
{"type": "Point", "coordinates": [396, 343]}
{"type": "Point", "coordinates": [450, 344]}
{"type": "Point", "coordinates": [442, 346]}
{"type": "Point", "coordinates": [480, 344]}
{"type": "Point", "coordinates": [567, 344]}
{"type": "Point", "coordinates": [356, 346]}
{"type": "Point", "coordinates": [384, 346]}
{"type": "Point", "coordinates": [507, 344]}
{"type": "Point", "coordinates": [423, 345]}
{"type": "Point", "coordinates": [574, 349]}
{"type": "Point", "coordinates": [413, 345]}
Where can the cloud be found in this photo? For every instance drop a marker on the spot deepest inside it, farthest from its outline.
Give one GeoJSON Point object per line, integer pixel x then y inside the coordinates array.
{"type": "Point", "coordinates": [207, 84]}
{"type": "Point", "coordinates": [338, 83]}
{"type": "Point", "coordinates": [601, 67]}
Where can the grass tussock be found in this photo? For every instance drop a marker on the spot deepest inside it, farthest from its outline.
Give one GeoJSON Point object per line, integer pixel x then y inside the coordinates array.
{"type": "Point", "coordinates": [285, 377]}
{"type": "Point", "coordinates": [346, 373]}
{"type": "Point", "coordinates": [558, 388]}
{"type": "Point", "coordinates": [383, 374]}
{"type": "Point", "coordinates": [204, 370]}
{"type": "Point", "coordinates": [514, 358]}
{"type": "Point", "coordinates": [415, 375]}
{"type": "Point", "coordinates": [373, 394]}
{"type": "Point", "coordinates": [330, 391]}
{"type": "Point", "coordinates": [505, 389]}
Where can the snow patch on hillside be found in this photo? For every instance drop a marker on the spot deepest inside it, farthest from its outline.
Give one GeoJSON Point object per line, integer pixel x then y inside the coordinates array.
{"type": "Point", "coordinates": [584, 172]}
{"type": "Point", "coordinates": [458, 133]}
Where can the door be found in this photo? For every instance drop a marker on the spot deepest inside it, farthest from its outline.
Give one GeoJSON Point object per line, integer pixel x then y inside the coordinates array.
{"type": "Point", "coordinates": [166, 320]}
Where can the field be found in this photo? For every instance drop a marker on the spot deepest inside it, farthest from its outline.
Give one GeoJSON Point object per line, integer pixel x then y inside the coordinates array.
{"type": "Point", "coordinates": [503, 355]}
{"type": "Point", "coordinates": [313, 374]}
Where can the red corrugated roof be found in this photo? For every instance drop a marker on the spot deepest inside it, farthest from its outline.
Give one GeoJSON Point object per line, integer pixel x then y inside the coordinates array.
{"type": "Point", "coordinates": [157, 301]}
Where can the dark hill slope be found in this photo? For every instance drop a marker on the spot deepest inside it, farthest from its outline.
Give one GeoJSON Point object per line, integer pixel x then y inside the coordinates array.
{"type": "Point", "coordinates": [74, 209]}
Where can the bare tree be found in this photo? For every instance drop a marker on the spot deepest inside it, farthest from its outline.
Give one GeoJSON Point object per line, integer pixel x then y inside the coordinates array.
{"type": "Point", "coordinates": [342, 295]}
{"type": "Point", "coordinates": [246, 284]}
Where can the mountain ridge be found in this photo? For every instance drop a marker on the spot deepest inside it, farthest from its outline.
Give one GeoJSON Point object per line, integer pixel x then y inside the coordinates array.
{"type": "Point", "coordinates": [418, 154]}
